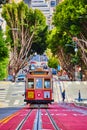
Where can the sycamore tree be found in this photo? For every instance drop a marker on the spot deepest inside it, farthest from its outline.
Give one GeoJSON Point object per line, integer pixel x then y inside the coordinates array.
{"type": "Point", "coordinates": [22, 24]}
{"type": "Point", "coordinates": [70, 20]}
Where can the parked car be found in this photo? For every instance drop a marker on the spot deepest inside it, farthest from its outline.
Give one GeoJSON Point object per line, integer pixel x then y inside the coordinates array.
{"type": "Point", "coordinates": [64, 78]}
{"type": "Point", "coordinates": [21, 77]}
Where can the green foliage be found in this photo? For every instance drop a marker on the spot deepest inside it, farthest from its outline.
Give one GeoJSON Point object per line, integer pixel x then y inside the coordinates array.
{"type": "Point", "coordinates": [69, 20]}
{"type": "Point", "coordinates": [75, 60]}
{"type": "Point", "coordinates": [16, 16]}
{"type": "Point", "coordinates": [53, 62]}
{"type": "Point", "coordinates": [67, 15]}
{"type": "Point", "coordinates": [39, 42]}
{"type": "Point", "coordinates": [21, 17]}
{"type": "Point", "coordinates": [3, 69]}
{"type": "Point", "coordinates": [3, 56]}
{"type": "Point", "coordinates": [52, 41]}
{"type": "Point", "coordinates": [48, 53]}
{"type": "Point", "coordinates": [40, 18]}
{"type": "Point", "coordinates": [3, 47]}
{"type": "Point", "coordinates": [58, 39]}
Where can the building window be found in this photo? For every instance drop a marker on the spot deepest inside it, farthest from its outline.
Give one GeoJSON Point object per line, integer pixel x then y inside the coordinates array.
{"type": "Point", "coordinates": [53, 3]}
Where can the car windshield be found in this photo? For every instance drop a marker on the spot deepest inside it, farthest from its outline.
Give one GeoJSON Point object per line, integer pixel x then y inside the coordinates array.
{"type": "Point", "coordinates": [21, 75]}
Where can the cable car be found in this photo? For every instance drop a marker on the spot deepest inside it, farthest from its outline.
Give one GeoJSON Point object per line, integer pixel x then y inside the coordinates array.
{"type": "Point", "coordinates": [38, 87]}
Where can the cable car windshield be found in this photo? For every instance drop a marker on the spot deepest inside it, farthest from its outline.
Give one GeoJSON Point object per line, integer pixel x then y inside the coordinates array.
{"type": "Point", "coordinates": [39, 83]}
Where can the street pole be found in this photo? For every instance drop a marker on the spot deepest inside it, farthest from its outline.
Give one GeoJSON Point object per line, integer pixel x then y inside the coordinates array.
{"type": "Point", "coordinates": [75, 40]}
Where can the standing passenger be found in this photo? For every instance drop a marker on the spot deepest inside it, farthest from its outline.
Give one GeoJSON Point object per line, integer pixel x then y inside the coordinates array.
{"type": "Point", "coordinates": [63, 95]}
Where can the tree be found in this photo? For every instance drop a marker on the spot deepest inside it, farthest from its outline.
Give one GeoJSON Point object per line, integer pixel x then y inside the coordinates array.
{"type": "Point", "coordinates": [57, 41]}
{"type": "Point", "coordinates": [53, 62]}
{"type": "Point", "coordinates": [68, 20]}
{"type": "Point", "coordinates": [3, 68]}
{"type": "Point", "coordinates": [39, 44]}
{"type": "Point", "coordinates": [71, 16]}
{"type": "Point", "coordinates": [22, 24]}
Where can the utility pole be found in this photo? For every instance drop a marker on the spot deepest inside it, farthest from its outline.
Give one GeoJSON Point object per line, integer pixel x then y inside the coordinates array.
{"type": "Point", "coordinates": [75, 40]}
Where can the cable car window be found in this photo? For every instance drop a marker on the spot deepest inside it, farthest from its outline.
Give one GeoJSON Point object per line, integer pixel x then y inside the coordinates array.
{"type": "Point", "coordinates": [39, 83]}
{"type": "Point", "coordinates": [47, 83]}
{"type": "Point", "coordinates": [46, 94]}
{"type": "Point", "coordinates": [31, 83]}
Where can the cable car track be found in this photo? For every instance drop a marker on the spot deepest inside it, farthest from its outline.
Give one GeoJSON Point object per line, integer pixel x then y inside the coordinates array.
{"type": "Point", "coordinates": [38, 121]}
{"type": "Point", "coordinates": [53, 122]}
{"type": "Point", "coordinates": [46, 118]}
{"type": "Point", "coordinates": [37, 125]}
{"type": "Point", "coordinates": [23, 121]}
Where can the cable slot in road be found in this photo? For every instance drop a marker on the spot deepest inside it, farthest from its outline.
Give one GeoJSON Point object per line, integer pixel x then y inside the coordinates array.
{"type": "Point", "coordinates": [37, 123]}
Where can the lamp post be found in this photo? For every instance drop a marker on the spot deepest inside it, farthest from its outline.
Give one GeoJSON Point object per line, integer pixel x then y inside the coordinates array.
{"type": "Point", "coordinates": [75, 40]}
{"type": "Point", "coordinates": [74, 45]}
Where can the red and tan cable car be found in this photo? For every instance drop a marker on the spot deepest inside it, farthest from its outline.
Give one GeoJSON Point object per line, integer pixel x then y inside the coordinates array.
{"type": "Point", "coordinates": [38, 87]}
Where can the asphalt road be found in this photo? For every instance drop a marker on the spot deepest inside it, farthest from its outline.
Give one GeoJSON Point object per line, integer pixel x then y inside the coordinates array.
{"type": "Point", "coordinates": [59, 116]}
{"type": "Point", "coordinates": [6, 111]}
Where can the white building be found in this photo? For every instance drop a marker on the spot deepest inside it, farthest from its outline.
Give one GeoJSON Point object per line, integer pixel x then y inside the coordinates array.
{"type": "Point", "coordinates": [46, 6]}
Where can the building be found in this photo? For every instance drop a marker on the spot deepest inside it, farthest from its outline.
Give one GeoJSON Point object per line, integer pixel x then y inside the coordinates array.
{"type": "Point", "coordinates": [46, 6]}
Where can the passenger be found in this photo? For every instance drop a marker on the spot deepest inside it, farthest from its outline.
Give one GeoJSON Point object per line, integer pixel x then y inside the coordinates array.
{"type": "Point", "coordinates": [63, 95]}
{"type": "Point", "coordinates": [32, 86]}
{"type": "Point", "coordinates": [44, 86]}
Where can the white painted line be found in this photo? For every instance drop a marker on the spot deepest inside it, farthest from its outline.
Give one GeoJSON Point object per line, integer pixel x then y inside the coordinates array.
{"type": "Point", "coordinates": [61, 114]}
